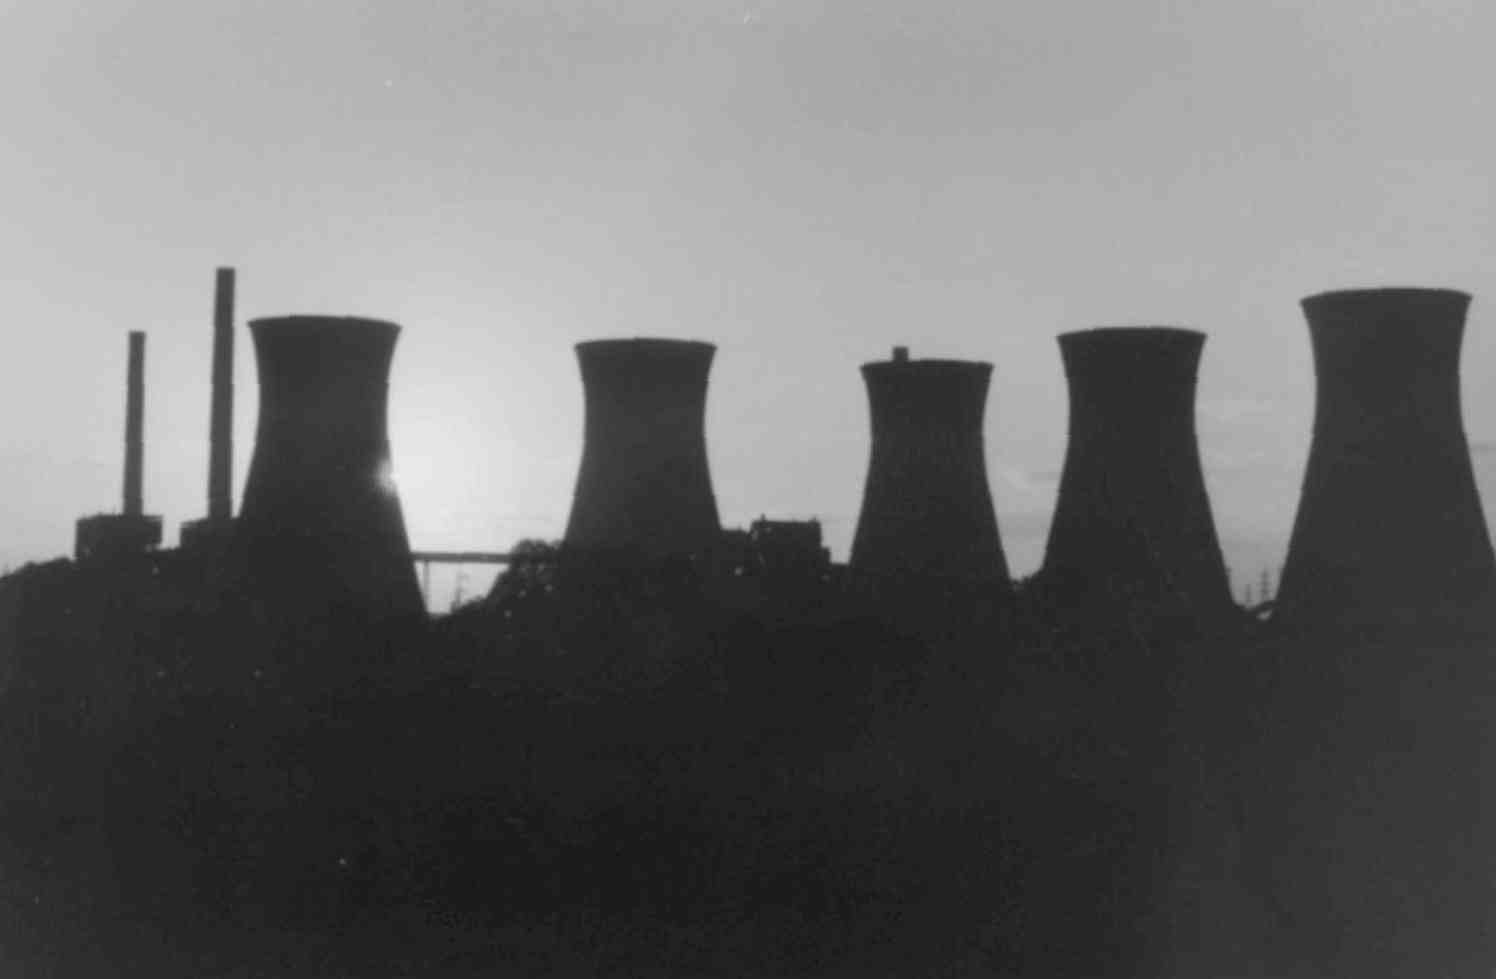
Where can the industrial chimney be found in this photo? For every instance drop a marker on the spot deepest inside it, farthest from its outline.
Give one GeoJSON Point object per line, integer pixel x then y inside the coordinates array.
{"type": "Point", "coordinates": [1132, 527]}
{"type": "Point", "coordinates": [221, 417]}
{"type": "Point", "coordinates": [1389, 521]}
{"type": "Point", "coordinates": [134, 426]}
{"type": "Point", "coordinates": [320, 526]}
{"type": "Point", "coordinates": [644, 488]}
{"type": "Point", "coordinates": [131, 531]}
{"type": "Point", "coordinates": [214, 530]}
{"type": "Point", "coordinates": [926, 506]}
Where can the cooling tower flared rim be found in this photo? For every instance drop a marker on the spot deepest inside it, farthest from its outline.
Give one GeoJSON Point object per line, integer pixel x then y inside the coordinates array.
{"type": "Point", "coordinates": [305, 323]}
{"type": "Point", "coordinates": [1136, 331]}
{"type": "Point", "coordinates": [643, 345]}
{"type": "Point", "coordinates": [1388, 292]}
{"type": "Point", "coordinates": [1385, 297]}
{"type": "Point", "coordinates": [1131, 341]}
{"type": "Point", "coordinates": [917, 365]}
{"type": "Point", "coordinates": [1113, 353]}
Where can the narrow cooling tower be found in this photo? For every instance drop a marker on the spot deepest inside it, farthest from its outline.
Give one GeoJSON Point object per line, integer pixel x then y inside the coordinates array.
{"type": "Point", "coordinates": [1132, 523]}
{"type": "Point", "coordinates": [320, 525]}
{"type": "Point", "coordinates": [1389, 521]}
{"type": "Point", "coordinates": [926, 505]}
{"type": "Point", "coordinates": [644, 487]}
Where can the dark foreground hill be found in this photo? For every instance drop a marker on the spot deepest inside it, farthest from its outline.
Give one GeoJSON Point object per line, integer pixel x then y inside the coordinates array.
{"type": "Point", "coordinates": [646, 777]}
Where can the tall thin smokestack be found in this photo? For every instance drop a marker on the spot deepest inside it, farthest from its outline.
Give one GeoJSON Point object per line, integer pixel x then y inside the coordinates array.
{"type": "Point", "coordinates": [1389, 521]}
{"type": "Point", "coordinates": [644, 486]}
{"type": "Point", "coordinates": [221, 420]}
{"type": "Point", "coordinates": [1132, 524]}
{"type": "Point", "coordinates": [320, 529]}
{"type": "Point", "coordinates": [926, 505]}
{"type": "Point", "coordinates": [134, 425]}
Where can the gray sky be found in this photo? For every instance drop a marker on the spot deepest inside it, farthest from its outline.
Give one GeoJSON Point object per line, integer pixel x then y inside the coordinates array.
{"type": "Point", "coordinates": [803, 183]}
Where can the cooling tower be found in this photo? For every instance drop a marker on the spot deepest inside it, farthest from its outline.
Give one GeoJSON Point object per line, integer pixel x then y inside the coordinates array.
{"type": "Point", "coordinates": [644, 488]}
{"type": "Point", "coordinates": [926, 505]}
{"type": "Point", "coordinates": [1389, 520]}
{"type": "Point", "coordinates": [320, 525]}
{"type": "Point", "coordinates": [1132, 523]}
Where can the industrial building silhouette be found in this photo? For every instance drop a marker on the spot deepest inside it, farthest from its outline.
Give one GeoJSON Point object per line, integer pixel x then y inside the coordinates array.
{"type": "Point", "coordinates": [1132, 523]}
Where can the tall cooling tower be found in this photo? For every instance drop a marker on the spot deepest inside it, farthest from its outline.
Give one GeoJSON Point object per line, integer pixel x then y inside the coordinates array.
{"type": "Point", "coordinates": [644, 487]}
{"type": "Point", "coordinates": [320, 524]}
{"type": "Point", "coordinates": [1389, 520]}
{"type": "Point", "coordinates": [926, 505]}
{"type": "Point", "coordinates": [1132, 521]}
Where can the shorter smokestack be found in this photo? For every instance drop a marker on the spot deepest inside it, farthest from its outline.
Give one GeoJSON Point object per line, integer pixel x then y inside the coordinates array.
{"type": "Point", "coordinates": [107, 536]}
{"type": "Point", "coordinates": [134, 425]}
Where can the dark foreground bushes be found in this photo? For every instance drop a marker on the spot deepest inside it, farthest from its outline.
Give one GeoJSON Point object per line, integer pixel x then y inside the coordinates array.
{"type": "Point", "coordinates": [644, 783]}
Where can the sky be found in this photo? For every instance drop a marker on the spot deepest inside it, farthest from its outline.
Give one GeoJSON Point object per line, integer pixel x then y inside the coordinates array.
{"type": "Point", "coordinates": [804, 184]}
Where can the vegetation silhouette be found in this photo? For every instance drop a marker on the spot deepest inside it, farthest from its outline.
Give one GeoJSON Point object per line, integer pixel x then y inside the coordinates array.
{"type": "Point", "coordinates": [782, 778]}
{"type": "Point", "coordinates": [605, 768]}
